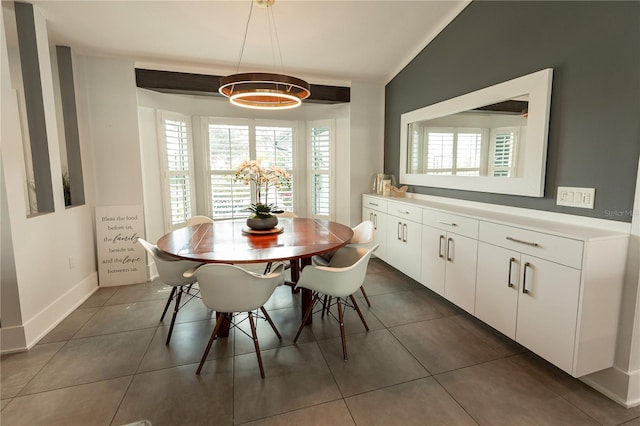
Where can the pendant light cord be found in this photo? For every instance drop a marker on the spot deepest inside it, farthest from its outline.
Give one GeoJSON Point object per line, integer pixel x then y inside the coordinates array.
{"type": "Point", "coordinates": [275, 32]}
{"type": "Point", "coordinates": [244, 40]}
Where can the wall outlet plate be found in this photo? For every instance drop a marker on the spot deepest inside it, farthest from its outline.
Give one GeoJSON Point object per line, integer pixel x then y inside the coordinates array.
{"type": "Point", "coordinates": [576, 197]}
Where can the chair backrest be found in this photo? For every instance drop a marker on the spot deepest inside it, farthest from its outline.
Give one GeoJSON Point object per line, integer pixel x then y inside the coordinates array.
{"type": "Point", "coordinates": [170, 269]}
{"type": "Point", "coordinates": [344, 275]}
{"type": "Point", "coordinates": [196, 220]}
{"type": "Point", "coordinates": [362, 234]}
{"type": "Point", "coordinates": [230, 288]}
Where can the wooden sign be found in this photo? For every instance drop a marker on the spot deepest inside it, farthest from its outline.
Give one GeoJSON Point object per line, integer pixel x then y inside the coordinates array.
{"type": "Point", "coordinates": [121, 260]}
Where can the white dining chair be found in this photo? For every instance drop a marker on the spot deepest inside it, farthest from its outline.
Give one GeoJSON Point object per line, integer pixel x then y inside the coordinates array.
{"type": "Point", "coordinates": [228, 290]}
{"type": "Point", "coordinates": [170, 272]}
{"type": "Point", "coordinates": [363, 235]}
{"type": "Point", "coordinates": [339, 280]}
{"type": "Point", "coordinates": [196, 220]}
{"type": "Point", "coordinates": [292, 263]}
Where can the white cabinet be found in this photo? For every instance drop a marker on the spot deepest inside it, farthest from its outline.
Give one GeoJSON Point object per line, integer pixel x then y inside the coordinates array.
{"type": "Point", "coordinates": [553, 286]}
{"type": "Point", "coordinates": [497, 287]}
{"type": "Point", "coordinates": [375, 210]}
{"type": "Point", "coordinates": [542, 291]}
{"type": "Point", "coordinates": [449, 258]}
{"type": "Point", "coordinates": [404, 232]}
{"type": "Point", "coordinates": [548, 309]}
{"type": "Point", "coordinates": [531, 300]}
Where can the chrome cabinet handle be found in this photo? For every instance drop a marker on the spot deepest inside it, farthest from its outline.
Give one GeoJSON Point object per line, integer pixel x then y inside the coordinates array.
{"type": "Point", "coordinates": [399, 231]}
{"type": "Point", "coordinates": [403, 212]}
{"type": "Point", "coordinates": [373, 204]}
{"type": "Point", "coordinates": [509, 283]}
{"type": "Point", "coordinates": [371, 218]}
{"type": "Point", "coordinates": [529, 243]}
{"type": "Point", "coordinates": [375, 221]}
{"type": "Point", "coordinates": [448, 223]}
{"type": "Point", "coordinates": [440, 253]}
{"type": "Point", "coordinates": [449, 241]}
{"type": "Point", "coordinates": [524, 278]}
{"type": "Point", "coordinates": [404, 232]}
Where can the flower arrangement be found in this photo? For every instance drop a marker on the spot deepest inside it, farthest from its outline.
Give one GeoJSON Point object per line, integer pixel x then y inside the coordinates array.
{"type": "Point", "coordinates": [263, 178]}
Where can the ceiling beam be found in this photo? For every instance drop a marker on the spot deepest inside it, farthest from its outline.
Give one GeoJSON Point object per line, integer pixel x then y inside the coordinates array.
{"type": "Point", "coordinates": [207, 85]}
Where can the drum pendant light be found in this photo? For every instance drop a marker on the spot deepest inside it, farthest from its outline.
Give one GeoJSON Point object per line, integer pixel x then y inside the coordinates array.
{"type": "Point", "coordinates": [261, 90]}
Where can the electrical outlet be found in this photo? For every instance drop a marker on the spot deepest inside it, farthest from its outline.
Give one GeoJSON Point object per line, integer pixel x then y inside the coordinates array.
{"type": "Point", "coordinates": [576, 197]}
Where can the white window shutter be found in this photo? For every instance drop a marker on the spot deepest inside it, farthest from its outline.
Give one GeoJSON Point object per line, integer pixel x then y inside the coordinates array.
{"type": "Point", "coordinates": [177, 170]}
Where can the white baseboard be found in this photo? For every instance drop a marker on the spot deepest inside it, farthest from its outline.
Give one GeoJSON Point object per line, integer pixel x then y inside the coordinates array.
{"type": "Point", "coordinates": [12, 339]}
{"type": "Point", "coordinates": [620, 386]}
{"type": "Point", "coordinates": [24, 337]}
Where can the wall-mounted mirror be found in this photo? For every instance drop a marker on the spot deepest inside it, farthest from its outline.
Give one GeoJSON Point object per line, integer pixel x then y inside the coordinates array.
{"type": "Point", "coordinates": [490, 140]}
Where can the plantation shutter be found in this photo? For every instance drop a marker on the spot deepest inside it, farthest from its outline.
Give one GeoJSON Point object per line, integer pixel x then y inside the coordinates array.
{"type": "Point", "coordinates": [321, 191]}
{"type": "Point", "coordinates": [228, 147]}
{"type": "Point", "coordinates": [504, 151]}
{"type": "Point", "coordinates": [179, 196]}
{"type": "Point", "coordinates": [274, 147]}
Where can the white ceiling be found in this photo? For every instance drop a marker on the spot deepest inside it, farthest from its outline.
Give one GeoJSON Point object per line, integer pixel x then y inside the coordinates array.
{"type": "Point", "coordinates": [325, 42]}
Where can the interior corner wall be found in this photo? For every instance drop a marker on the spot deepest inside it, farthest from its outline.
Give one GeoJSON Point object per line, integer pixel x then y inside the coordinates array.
{"type": "Point", "coordinates": [593, 49]}
{"type": "Point", "coordinates": [109, 88]}
{"type": "Point", "coordinates": [367, 142]}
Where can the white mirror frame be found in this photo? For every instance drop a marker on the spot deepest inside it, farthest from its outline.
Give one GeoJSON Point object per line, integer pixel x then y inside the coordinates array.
{"type": "Point", "coordinates": [530, 181]}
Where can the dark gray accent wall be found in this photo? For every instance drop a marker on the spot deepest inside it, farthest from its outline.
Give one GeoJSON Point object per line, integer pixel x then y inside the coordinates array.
{"type": "Point", "coordinates": [34, 106]}
{"type": "Point", "coordinates": [594, 130]}
{"type": "Point", "coordinates": [70, 119]}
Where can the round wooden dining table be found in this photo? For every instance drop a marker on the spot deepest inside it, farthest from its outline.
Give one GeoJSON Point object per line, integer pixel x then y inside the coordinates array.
{"type": "Point", "coordinates": [229, 241]}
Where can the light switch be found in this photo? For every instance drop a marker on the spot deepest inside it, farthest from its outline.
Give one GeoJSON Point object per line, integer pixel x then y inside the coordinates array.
{"type": "Point", "coordinates": [576, 197]}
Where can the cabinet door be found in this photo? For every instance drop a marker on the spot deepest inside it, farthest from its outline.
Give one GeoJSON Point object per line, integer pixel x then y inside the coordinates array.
{"type": "Point", "coordinates": [548, 309]}
{"type": "Point", "coordinates": [460, 271]}
{"type": "Point", "coordinates": [433, 259]}
{"type": "Point", "coordinates": [379, 230]}
{"type": "Point", "coordinates": [403, 245]}
{"type": "Point", "coordinates": [497, 285]}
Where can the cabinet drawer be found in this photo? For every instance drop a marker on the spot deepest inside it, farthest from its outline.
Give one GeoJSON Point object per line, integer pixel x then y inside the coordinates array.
{"type": "Point", "coordinates": [451, 223]}
{"type": "Point", "coordinates": [374, 204]}
{"type": "Point", "coordinates": [556, 249]}
{"type": "Point", "coordinates": [405, 211]}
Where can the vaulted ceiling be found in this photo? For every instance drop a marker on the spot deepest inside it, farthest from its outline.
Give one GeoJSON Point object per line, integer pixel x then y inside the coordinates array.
{"type": "Point", "coordinates": [325, 42]}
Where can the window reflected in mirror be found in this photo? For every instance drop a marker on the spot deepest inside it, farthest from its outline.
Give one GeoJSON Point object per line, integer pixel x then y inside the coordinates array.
{"type": "Point", "coordinates": [485, 141]}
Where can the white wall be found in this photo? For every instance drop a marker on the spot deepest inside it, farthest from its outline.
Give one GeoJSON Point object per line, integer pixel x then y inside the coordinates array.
{"type": "Point", "coordinates": [112, 114]}
{"type": "Point", "coordinates": [367, 141]}
{"type": "Point", "coordinates": [45, 285]}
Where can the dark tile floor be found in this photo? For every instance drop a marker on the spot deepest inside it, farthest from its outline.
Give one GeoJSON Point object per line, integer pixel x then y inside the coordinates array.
{"type": "Point", "coordinates": [423, 361]}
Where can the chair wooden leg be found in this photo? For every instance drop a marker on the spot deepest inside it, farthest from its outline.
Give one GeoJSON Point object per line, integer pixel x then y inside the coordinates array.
{"type": "Point", "coordinates": [175, 314]}
{"type": "Point", "coordinates": [325, 307]}
{"type": "Point", "coordinates": [267, 269]}
{"type": "Point", "coordinates": [341, 320]}
{"type": "Point", "coordinates": [268, 318]}
{"type": "Point", "coordinates": [357, 308]}
{"type": "Point", "coordinates": [213, 336]}
{"type": "Point", "coordinates": [306, 317]}
{"type": "Point", "coordinates": [365, 295]}
{"type": "Point", "coordinates": [173, 292]}
{"type": "Point", "coordinates": [255, 343]}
